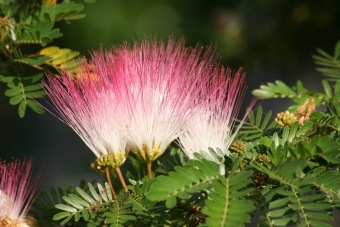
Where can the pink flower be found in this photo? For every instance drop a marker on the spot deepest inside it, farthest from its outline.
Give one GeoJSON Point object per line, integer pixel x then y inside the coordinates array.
{"type": "Point", "coordinates": [89, 105]}
{"type": "Point", "coordinates": [18, 187]}
{"type": "Point", "coordinates": [158, 84]}
{"type": "Point", "coordinates": [215, 129]}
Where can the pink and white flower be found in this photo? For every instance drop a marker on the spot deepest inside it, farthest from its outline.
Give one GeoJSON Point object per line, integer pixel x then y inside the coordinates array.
{"type": "Point", "coordinates": [89, 105]}
{"type": "Point", "coordinates": [158, 89]}
{"type": "Point", "coordinates": [18, 186]}
{"type": "Point", "coordinates": [215, 128]}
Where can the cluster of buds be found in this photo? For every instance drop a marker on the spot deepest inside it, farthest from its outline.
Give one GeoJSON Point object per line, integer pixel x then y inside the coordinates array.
{"type": "Point", "coordinates": [113, 160]}
{"type": "Point", "coordinates": [286, 118]}
{"type": "Point", "coordinates": [264, 158]}
{"type": "Point", "coordinates": [238, 146]}
{"type": "Point", "coordinates": [302, 114]}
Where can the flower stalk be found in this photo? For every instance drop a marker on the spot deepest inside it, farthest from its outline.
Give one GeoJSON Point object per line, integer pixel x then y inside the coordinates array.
{"type": "Point", "coordinates": [149, 169]}
{"type": "Point", "coordinates": [121, 179]}
{"type": "Point", "coordinates": [108, 178]}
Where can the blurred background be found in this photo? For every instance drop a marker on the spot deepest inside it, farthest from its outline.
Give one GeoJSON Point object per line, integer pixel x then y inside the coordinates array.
{"type": "Point", "coordinates": [271, 40]}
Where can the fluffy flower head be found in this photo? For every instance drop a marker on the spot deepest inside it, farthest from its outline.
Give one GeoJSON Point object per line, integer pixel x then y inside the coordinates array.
{"type": "Point", "coordinates": [17, 188]}
{"type": "Point", "coordinates": [215, 129]}
{"type": "Point", "coordinates": [158, 87]}
{"type": "Point", "coordinates": [89, 105]}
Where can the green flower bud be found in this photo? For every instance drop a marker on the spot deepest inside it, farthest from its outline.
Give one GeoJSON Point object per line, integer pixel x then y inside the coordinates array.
{"type": "Point", "coordinates": [285, 118]}
{"type": "Point", "coordinates": [238, 146]}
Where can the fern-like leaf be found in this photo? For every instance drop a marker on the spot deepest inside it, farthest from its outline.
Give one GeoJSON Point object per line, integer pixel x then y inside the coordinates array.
{"type": "Point", "coordinates": [84, 206]}
{"type": "Point", "coordinates": [196, 175]}
{"type": "Point", "coordinates": [226, 205]}
{"type": "Point", "coordinates": [21, 91]}
{"type": "Point", "coordinates": [256, 125]}
{"type": "Point", "coordinates": [149, 213]}
{"type": "Point", "coordinates": [329, 65]}
{"type": "Point", "coordinates": [286, 205]}
{"type": "Point", "coordinates": [274, 90]}
{"type": "Point", "coordinates": [120, 213]}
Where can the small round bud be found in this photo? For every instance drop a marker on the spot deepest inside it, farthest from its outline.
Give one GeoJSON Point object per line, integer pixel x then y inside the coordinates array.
{"type": "Point", "coordinates": [238, 146]}
{"type": "Point", "coordinates": [264, 158]}
{"type": "Point", "coordinates": [285, 118]}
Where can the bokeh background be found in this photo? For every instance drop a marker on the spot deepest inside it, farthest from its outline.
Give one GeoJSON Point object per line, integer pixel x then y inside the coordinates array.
{"type": "Point", "coordinates": [271, 40]}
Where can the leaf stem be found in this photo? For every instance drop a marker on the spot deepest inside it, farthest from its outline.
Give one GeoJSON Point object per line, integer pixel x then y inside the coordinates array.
{"type": "Point", "coordinates": [107, 173]}
{"type": "Point", "coordinates": [121, 179]}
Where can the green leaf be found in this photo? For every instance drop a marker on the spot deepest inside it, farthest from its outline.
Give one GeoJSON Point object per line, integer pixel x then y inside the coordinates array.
{"type": "Point", "coordinates": [61, 215]}
{"type": "Point", "coordinates": [85, 214]}
{"type": "Point", "coordinates": [22, 109]}
{"type": "Point", "coordinates": [226, 205]}
{"type": "Point", "coordinates": [85, 196]}
{"type": "Point", "coordinates": [304, 128]}
{"type": "Point", "coordinates": [329, 65]}
{"type": "Point", "coordinates": [281, 222]}
{"type": "Point", "coordinates": [75, 17]}
{"type": "Point", "coordinates": [16, 99]}
{"type": "Point", "coordinates": [34, 60]}
{"type": "Point", "coordinates": [184, 181]}
{"type": "Point", "coordinates": [337, 50]}
{"type": "Point", "coordinates": [66, 208]}
{"type": "Point", "coordinates": [253, 128]}
{"type": "Point", "coordinates": [327, 88]}
{"type": "Point", "coordinates": [170, 202]}
{"type": "Point", "coordinates": [33, 87]}
{"type": "Point", "coordinates": [66, 220]}
{"type": "Point", "coordinates": [73, 202]}
{"type": "Point", "coordinates": [13, 91]}
{"type": "Point", "coordinates": [271, 90]}
{"type": "Point", "coordinates": [36, 107]}
{"type": "Point", "coordinates": [79, 201]}
{"type": "Point", "coordinates": [39, 32]}
{"type": "Point", "coordinates": [102, 192]}
{"type": "Point", "coordinates": [36, 94]}
{"type": "Point", "coordinates": [94, 193]}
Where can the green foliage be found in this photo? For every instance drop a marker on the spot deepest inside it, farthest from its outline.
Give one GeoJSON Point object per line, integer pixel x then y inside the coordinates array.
{"type": "Point", "coordinates": [195, 176]}
{"type": "Point", "coordinates": [257, 125]}
{"type": "Point", "coordinates": [329, 65]}
{"type": "Point", "coordinates": [84, 206]}
{"type": "Point", "coordinates": [23, 27]}
{"type": "Point", "coordinates": [305, 199]}
{"type": "Point", "coordinates": [274, 90]}
{"type": "Point", "coordinates": [149, 213]}
{"type": "Point", "coordinates": [120, 214]}
{"type": "Point", "coordinates": [331, 117]}
{"type": "Point", "coordinates": [44, 206]}
{"type": "Point", "coordinates": [21, 91]}
{"type": "Point", "coordinates": [298, 93]}
{"type": "Point", "coordinates": [226, 205]}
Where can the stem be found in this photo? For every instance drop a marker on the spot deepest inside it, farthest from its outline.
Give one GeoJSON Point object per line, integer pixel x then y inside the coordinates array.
{"type": "Point", "coordinates": [122, 181]}
{"type": "Point", "coordinates": [148, 166]}
{"type": "Point", "coordinates": [109, 181]}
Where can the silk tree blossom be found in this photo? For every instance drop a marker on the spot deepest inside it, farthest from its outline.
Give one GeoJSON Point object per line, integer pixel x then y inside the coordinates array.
{"type": "Point", "coordinates": [90, 107]}
{"type": "Point", "coordinates": [158, 89]}
{"type": "Point", "coordinates": [18, 186]}
{"type": "Point", "coordinates": [215, 129]}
